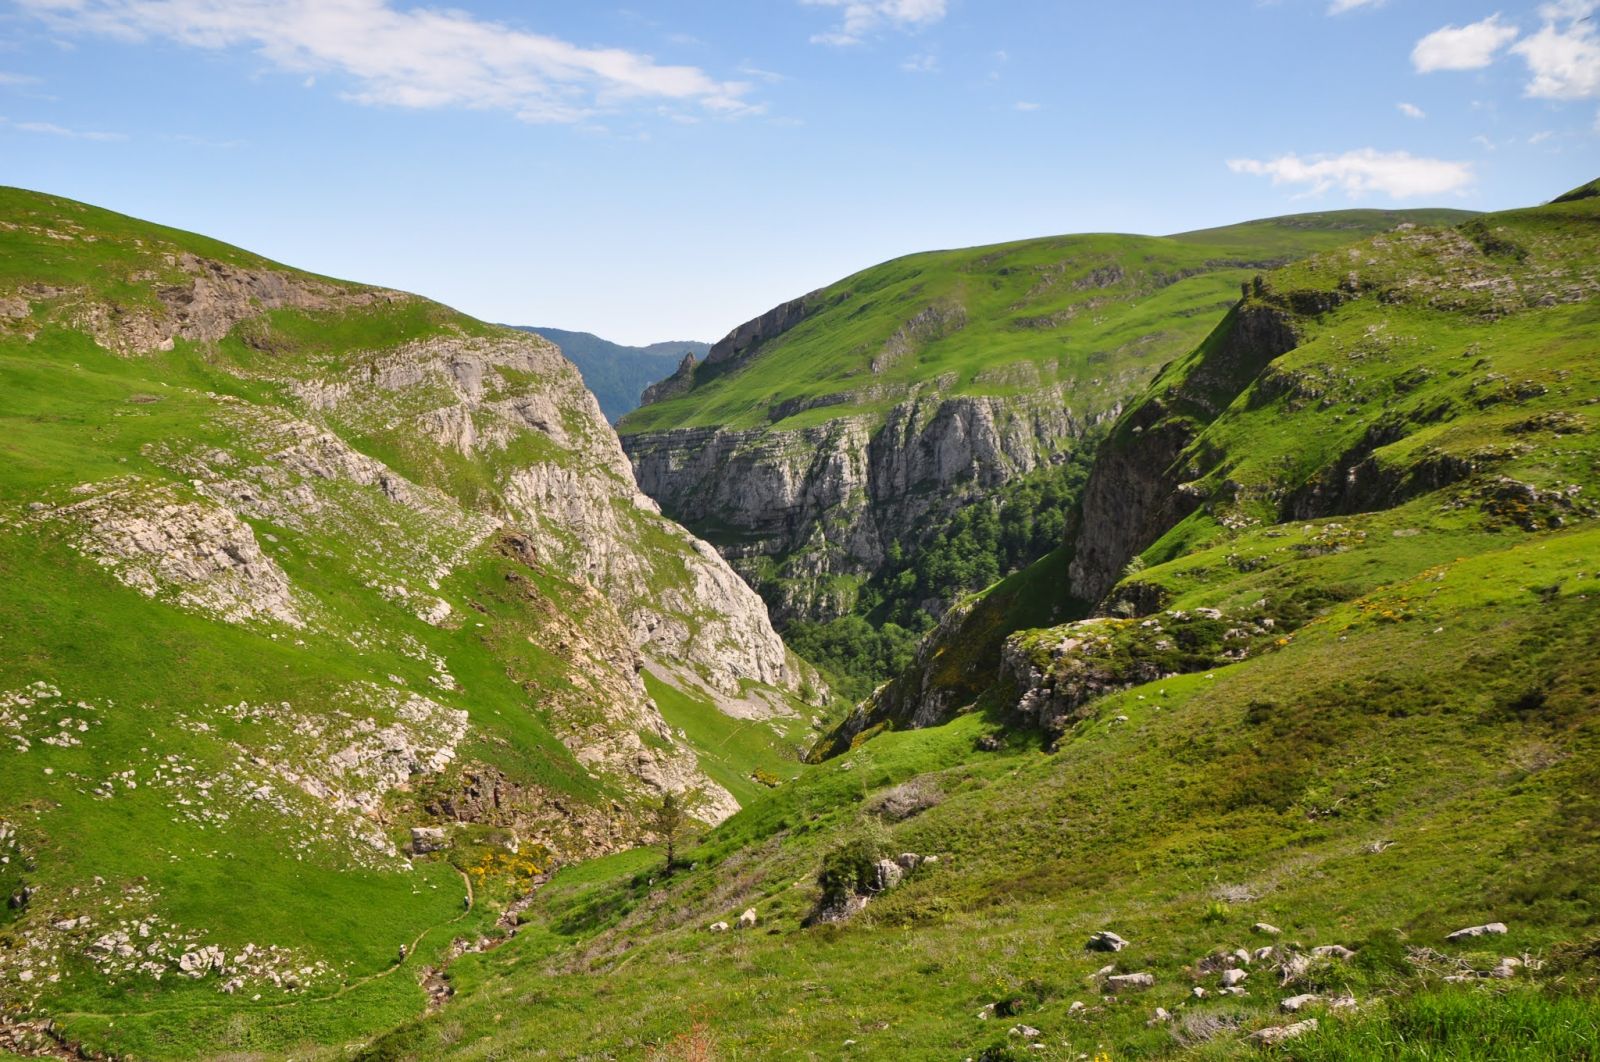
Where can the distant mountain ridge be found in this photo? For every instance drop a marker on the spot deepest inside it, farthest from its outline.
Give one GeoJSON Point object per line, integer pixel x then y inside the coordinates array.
{"type": "Point", "coordinates": [618, 374]}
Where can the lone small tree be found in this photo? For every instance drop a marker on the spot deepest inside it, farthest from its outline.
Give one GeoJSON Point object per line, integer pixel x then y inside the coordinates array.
{"type": "Point", "coordinates": [670, 817]}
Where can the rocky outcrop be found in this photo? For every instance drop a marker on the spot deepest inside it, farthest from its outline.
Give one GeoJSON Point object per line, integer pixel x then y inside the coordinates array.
{"type": "Point", "coordinates": [769, 326]}
{"type": "Point", "coordinates": [1139, 488]}
{"type": "Point", "coordinates": [679, 383]}
{"type": "Point", "coordinates": [829, 500]}
{"type": "Point", "coordinates": [193, 551]}
{"type": "Point", "coordinates": [562, 472]}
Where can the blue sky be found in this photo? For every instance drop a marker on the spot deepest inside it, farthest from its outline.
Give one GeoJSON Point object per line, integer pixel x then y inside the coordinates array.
{"type": "Point", "coordinates": [667, 170]}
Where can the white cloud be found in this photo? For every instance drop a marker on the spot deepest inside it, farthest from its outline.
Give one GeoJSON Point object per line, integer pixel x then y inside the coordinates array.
{"type": "Point", "coordinates": [921, 64]}
{"type": "Point", "coordinates": [1027, 106]}
{"type": "Point", "coordinates": [861, 18]}
{"type": "Point", "coordinates": [1398, 174]}
{"type": "Point", "coordinates": [51, 129]}
{"type": "Point", "coordinates": [1564, 61]}
{"type": "Point", "coordinates": [1411, 110]}
{"type": "Point", "coordinates": [1540, 137]}
{"type": "Point", "coordinates": [1339, 7]}
{"type": "Point", "coordinates": [7, 78]}
{"type": "Point", "coordinates": [421, 58]}
{"type": "Point", "coordinates": [1469, 47]}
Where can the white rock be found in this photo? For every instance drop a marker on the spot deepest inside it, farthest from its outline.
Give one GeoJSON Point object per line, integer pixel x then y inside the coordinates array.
{"type": "Point", "coordinates": [1267, 929]}
{"type": "Point", "coordinates": [1231, 978]}
{"type": "Point", "coordinates": [748, 919]}
{"type": "Point", "coordinates": [1279, 1034]}
{"type": "Point", "coordinates": [1106, 941]}
{"type": "Point", "coordinates": [1295, 1003]}
{"type": "Point", "coordinates": [1130, 982]}
{"type": "Point", "coordinates": [1492, 929]}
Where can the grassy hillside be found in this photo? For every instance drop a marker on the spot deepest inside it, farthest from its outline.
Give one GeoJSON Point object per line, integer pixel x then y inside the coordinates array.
{"type": "Point", "coordinates": [618, 374]}
{"type": "Point", "coordinates": [257, 622]}
{"type": "Point", "coordinates": [1341, 693]}
{"type": "Point", "coordinates": [1100, 312]}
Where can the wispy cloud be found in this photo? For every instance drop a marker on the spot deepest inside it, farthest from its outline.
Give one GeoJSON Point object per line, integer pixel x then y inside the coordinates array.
{"type": "Point", "coordinates": [8, 78]}
{"type": "Point", "coordinates": [1397, 174]}
{"type": "Point", "coordinates": [1339, 7]}
{"type": "Point", "coordinates": [1470, 47]}
{"type": "Point", "coordinates": [862, 18]}
{"type": "Point", "coordinates": [1027, 106]}
{"type": "Point", "coordinates": [927, 63]}
{"type": "Point", "coordinates": [419, 58]}
{"type": "Point", "coordinates": [51, 129]}
{"type": "Point", "coordinates": [1564, 56]}
{"type": "Point", "coordinates": [1411, 110]}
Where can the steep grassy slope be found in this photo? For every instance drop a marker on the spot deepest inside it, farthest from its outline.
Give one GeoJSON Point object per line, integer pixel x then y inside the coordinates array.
{"type": "Point", "coordinates": [616, 373]}
{"type": "Point", "coordinates": [1341, 682]}
{"type": "Point", "coordinates": [290, 567]}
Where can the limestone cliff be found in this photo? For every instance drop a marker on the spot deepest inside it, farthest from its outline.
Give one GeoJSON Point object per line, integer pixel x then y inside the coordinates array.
{"type": "Point", "coordinates": [805, 514]}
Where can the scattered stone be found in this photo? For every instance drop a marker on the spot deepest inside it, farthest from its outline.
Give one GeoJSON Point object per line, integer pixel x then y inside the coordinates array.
{"type": "Point", "coordinates": [1077, 1007]}
{"type": "Point", "coordinates": [1506, 970]}
{"type": "Point", "coordinates": [1263, 954]}
{"type": "Point", "coordinates": [1293, 968]}
{"type": "Point", "coordinates": [987, 1012]}
{"type": "Point", "coordinates": [1162, 1016]}
{"type": "Point", "coordinates": [1281, 1033]}
{"type": "Point", "coordinates": [719, 927]}
{"type": "Point", "coordinates": [1232, 992]}
{"type": "Point", "coordinates": [1197, 992]}
{"type": "Point", "coordinates": [1242, 955]}
{"type": "Point", "coordinates": [1492, 929]}
{"type": "Point", "coordinates": [1106, 941]}
{"type": "Point", "coordinates": [1342, 1003]}
{"type": "Point", "coordinates": [1027, 1032]}
{"type": "Point", "coordinates": [886, 874]}
{"type": "Point", "coordinates": [1133, 981]}
{"type": "Point", "coordinates": [908, 861]}
{"type": "Point", "coordinates": [1231, 978]}
{"type": "Point", "coordinates": [1105, 971]}
{"type": "Point", "coordinates": [1267, 929]}
{"type": "Point", "coordinates": [748, 919]}
{"type": "Point", "coordinates": [1333, 951]}
{"type": "Point", "coordinates": [1295, 1003]}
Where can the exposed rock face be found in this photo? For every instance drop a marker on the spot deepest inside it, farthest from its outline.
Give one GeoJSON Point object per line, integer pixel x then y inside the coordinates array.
{"type": "Point", "coordinates": [198, 299]}
{"type": "Point", "coordinates": [1137, 491]}
{"type": "Point", "coordinates": [679, 597]}
{"type": "Point", "coordinates": [829, 500]}
{"type": "Point", "coordinates": [197, 552]}
{"type": "Point", "coordinates": [752, 334]}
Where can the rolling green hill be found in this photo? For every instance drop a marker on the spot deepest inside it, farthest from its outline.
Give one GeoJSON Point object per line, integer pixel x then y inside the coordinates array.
{"type": "Point", "coordinates": [1310, 688]}
{"type": "Point", "coordinates": [819, 442]}
{"type": "Point", "coordinates": [1080, 309]}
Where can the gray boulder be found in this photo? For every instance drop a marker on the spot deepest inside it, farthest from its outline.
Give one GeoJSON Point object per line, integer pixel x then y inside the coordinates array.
{"type": "Point", "coordinates": [1130, 982]}
{"type": "Point", "coordinates": [426, 839]}
{"type": "Point", "coordinates": [1490, 930]}
{"type": "Point", "coordinates": [886, 874]}
{"type": "Point", "coordinates": [1106, 941]}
